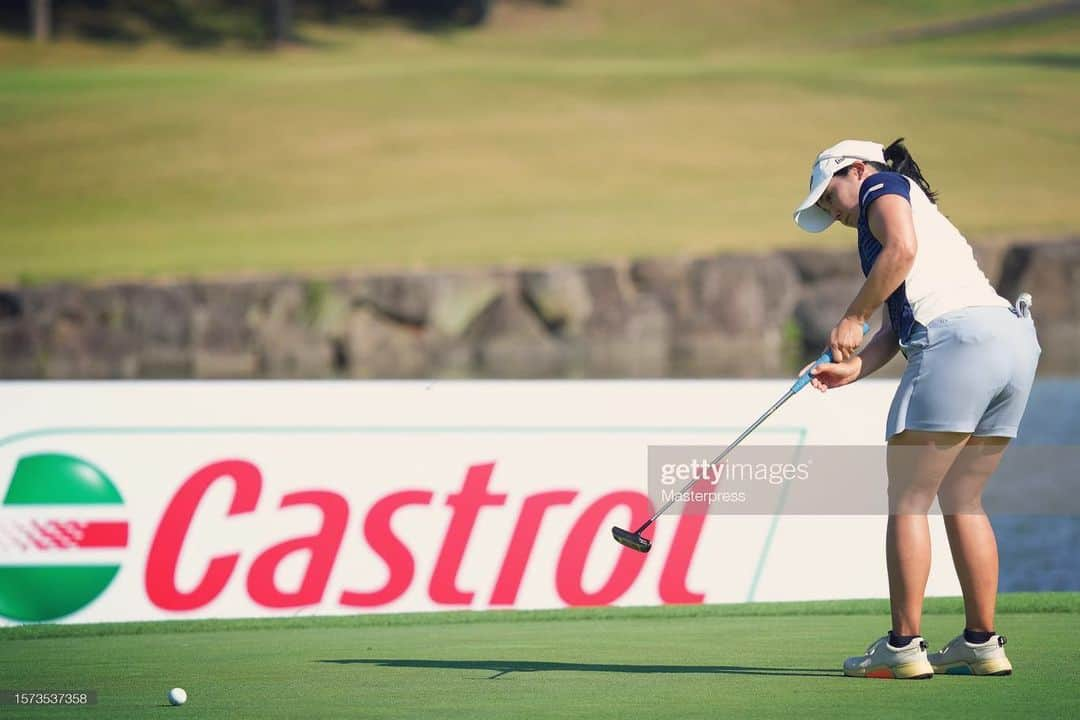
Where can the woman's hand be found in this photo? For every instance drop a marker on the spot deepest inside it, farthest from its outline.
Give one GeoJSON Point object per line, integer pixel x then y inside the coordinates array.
{"type": "Point", "coordinates": [834, 374]}
{"type": "Point", "coordinates": [845, 338]}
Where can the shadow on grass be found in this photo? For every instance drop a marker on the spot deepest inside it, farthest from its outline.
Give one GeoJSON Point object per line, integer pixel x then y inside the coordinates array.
{"type": "Point", "coordinates": [504, 667]}
{"type": "Point", "coordinates": [1060, 61]}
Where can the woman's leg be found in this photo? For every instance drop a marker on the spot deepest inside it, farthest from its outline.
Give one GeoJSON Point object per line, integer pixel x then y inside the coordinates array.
{"type": "Point", "coordinates": [971, 538]}
{"type": "Point", "coordinates": [917, 461]}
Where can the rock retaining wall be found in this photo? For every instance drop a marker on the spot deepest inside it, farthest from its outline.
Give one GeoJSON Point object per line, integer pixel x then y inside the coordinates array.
{"type": "Point", "coordinates": [729, 316]}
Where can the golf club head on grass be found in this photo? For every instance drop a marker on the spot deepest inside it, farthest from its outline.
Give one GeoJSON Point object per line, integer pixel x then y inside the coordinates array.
{"type": "Point", "coordinates": [631, 540]}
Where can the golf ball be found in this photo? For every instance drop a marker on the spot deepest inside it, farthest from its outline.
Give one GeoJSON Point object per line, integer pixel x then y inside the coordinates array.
{"type": "Point", "coordinates": [178, 696]}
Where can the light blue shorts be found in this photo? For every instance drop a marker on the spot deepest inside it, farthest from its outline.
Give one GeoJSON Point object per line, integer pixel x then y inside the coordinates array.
{"type": "Point", "coordinates": [969, 371]}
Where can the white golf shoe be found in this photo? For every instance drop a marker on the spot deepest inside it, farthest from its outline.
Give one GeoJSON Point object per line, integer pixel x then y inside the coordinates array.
{"type": "Point", "coordinates": [882, 660]}
{"type": "Point", "coordinates": [960, 657]}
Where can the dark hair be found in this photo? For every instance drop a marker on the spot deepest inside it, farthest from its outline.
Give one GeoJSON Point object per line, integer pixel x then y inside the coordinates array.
{"type": "Point", "coordinates": [899, 160]}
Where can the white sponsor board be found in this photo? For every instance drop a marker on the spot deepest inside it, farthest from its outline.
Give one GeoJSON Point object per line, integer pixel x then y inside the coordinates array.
{"type": "Point", "coordinates": [242, 499]}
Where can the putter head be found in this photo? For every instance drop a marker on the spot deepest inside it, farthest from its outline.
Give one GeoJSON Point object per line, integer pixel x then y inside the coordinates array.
{"type": "Point", "coordinates": [631, 540]}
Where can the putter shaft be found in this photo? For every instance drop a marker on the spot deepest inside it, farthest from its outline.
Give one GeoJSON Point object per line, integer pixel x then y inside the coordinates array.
{"type": "Point", "coordinates": [787, 396]}
{"type": "Point", "coordinates": [800, 382]}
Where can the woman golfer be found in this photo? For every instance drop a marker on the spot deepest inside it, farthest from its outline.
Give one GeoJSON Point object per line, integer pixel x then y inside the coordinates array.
{"type": "Point", "coordinates": [971, 362]}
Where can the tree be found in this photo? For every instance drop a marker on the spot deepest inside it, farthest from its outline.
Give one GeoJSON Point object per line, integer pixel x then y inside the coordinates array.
{"type": "Point", "coordinates": [41, 19]}
{"type": "Point", "coordinates": [282, 21]}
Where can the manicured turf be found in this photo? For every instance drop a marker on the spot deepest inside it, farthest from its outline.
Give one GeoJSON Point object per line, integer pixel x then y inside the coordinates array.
{"type": "Point", "coordinates": [767, 660]}
{"type": "Point", "coordinates": [600, 128]}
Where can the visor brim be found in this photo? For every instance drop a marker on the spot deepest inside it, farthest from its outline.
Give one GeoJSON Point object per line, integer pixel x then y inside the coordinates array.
{"type": "Point", "coordinates": [808, 215]}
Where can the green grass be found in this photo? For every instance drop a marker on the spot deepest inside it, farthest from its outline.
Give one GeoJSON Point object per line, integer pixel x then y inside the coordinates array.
{"type": "Point", "coordinates": [766, 660]}
{"type": "Point", "coordinates": [603, 128]}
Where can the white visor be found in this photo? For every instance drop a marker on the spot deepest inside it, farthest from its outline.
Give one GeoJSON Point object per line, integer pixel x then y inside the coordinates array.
{"type": "Point", "coordinates": [808, 215]}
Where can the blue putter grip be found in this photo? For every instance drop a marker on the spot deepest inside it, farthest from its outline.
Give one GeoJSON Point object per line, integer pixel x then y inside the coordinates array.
{"type": "Point", "coordinates": [804, 379]}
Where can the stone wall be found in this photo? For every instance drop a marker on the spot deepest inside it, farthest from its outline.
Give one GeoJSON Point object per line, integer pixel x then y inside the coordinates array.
{"type": "Point", "coordinates": [729, 316]}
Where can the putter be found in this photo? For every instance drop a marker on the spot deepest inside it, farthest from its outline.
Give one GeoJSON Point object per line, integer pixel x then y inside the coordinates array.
{"type": "Point", "coordinates": [634, 541]}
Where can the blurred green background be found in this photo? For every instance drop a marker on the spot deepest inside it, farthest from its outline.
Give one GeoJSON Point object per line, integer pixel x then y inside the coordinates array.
{"type": "Point", "coordinates": [587, 129]}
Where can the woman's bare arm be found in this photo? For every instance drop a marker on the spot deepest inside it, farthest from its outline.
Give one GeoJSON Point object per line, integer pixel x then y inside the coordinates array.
{"type": "Point", "coordinates": [880, 350]}
{"type": "Point", "coordinates": [890, 221]}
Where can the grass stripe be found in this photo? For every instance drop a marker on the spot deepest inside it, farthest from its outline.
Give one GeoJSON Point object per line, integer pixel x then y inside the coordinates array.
{"type": "Point", "coordinates": [1008, 603]}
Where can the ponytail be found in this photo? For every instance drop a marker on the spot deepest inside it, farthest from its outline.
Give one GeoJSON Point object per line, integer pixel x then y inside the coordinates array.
{"type": "Point", "coordinates": [898, 159]}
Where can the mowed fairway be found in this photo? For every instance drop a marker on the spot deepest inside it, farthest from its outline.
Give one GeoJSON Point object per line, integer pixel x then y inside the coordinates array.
{"type": "Point", "coordinates": [600, 128]}
{"type": "Point", "coordinates": [764, 660]}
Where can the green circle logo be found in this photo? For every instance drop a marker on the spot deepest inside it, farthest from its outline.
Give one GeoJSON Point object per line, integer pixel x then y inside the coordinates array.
{"type": "Point", "coordinates": [47, 566]}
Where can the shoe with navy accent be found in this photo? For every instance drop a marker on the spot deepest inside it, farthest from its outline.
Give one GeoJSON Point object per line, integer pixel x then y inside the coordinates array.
{"type": "Point", "coordinates": [882, 660]}
{"type": "Point", "coordinates": [960, 657]}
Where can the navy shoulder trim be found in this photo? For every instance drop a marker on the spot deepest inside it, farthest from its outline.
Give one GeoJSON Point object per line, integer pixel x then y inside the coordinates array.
{"type": "Point", "coordinates": [883, 183]}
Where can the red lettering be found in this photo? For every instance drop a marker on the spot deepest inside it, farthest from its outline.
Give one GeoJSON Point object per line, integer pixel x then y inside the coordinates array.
{"type": "Point", "coordinates": [165, 548]}
{"type": "Point", "coordinates": [381, 538]}
{"type": "Point", "coordinates": [323, 548]}
{"type": "Point", "coordinates": [466, 505]}
{"type": "Point", "coordinates": [522, 542]}
{"type": "Point", "coordinates": [673, 577]}
{"type": "Point", "coordinates": [575, 552]}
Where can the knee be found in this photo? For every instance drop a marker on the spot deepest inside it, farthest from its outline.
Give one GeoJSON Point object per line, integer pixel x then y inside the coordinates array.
{"type": "Point", "coordinates": [958, 501]}
{"type": "Point", "coordinates": [910, 499]}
